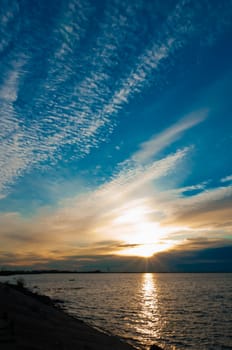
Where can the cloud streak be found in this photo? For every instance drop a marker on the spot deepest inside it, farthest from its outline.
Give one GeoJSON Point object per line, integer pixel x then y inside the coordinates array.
{"type": "Point", "coordinates": [76, 105]}
{"type": "Point", "coordinates": [125, 213]}
{"type": "Point", "coordinates": [94, 67]}
{"type": "Point", "coordinates": [157, 143]}
{"type": "Point", "coordinates": [227, 178]}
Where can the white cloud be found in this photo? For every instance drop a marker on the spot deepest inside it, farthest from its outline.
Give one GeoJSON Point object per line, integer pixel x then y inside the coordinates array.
{"type": "Point", "coordinates": [158, 142]}
{"type": "Point", "coordinates": [79, 99]}
{"type": "Point", "coordinates": [14, 157]}
{"type": "Point", "coordinates": [9, 19]}
{"type": "Point", "coordinates": [90, 217]}
{"type": "Point", "coordinates": [227, 178]}
{"type": "Point", "coordinates": [129, 209]}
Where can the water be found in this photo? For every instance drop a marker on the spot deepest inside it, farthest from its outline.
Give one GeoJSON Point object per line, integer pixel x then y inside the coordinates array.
{"type": "Point", "coordinates": [176, 311]}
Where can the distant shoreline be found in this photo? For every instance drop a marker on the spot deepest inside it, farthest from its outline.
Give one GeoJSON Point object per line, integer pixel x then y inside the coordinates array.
{"type": "Point", "coordinates": [39, 272]}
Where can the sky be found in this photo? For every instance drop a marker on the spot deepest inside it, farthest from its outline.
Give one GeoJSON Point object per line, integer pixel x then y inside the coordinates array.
{"type": "Point", "coordinates": [116, 135]}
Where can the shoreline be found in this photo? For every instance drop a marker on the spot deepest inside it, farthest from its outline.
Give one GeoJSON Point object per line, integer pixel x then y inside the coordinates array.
{"type": "Point", "coordinates": [30, 321]}
{"type": "Point", "coordinates": [10, 273]}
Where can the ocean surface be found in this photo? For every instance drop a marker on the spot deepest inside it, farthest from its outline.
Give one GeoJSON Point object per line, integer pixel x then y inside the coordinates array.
{"type": "Point", "coordinates": [176, 311]}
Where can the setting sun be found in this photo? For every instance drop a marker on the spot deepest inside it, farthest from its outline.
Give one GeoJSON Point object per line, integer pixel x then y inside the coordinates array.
{"type": "Point", "coordinates": [145, 250]}
{"type": "Point", "coordinates": [142, 237]}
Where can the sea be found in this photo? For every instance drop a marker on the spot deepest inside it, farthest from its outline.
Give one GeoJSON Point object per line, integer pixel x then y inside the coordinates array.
{"type": "Point", "coordinates": [173, 310]}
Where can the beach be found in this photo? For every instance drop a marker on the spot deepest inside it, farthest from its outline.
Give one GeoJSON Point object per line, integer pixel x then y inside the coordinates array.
{"type": "Point", "coordinates": [32, 322]}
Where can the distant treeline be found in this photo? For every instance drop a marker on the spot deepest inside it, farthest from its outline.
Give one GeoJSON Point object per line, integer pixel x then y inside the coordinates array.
{"type": "Point", "coordinates": [37, 272]}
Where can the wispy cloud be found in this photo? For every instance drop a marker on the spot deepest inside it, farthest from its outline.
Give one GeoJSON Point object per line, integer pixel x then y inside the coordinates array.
{"type": "Point", "coordinates": [14, 157]}
{"type": "Point", "coordinates": [227, 178]}
{"type": "Point", "coordinates": [158, 142]}
{"type": "Point", "coordinates": [77, 103]}
{"type": "Point", "coordinates": [210, 209]}
{"type": "Point", "coordinates": [9, 24]}
{"type": "Point", "coordinates": [72, 102]}
{"type": "Point", "coordinates": [129, 208]}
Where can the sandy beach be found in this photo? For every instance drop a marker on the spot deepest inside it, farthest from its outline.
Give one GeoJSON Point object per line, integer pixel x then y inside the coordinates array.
{"type": "Point", "coordinates": [31, 322]}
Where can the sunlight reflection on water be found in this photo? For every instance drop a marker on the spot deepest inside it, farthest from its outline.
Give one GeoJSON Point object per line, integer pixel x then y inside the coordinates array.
{"type": "Point", "coordinates": [149, 307]}
{"type": "Point", "coordinates": [175, 311]}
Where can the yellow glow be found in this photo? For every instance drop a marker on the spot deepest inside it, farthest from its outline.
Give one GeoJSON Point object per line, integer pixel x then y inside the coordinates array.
{"type": "Point", "coordinates": [145, 250]}
{"type": "Point", "coordinates": [149, 308]}
{"type": "Point", "coordinates": [148, 286]}
{"type": "Point", "coordinates": [132, 215]}
{"type": "Point", "coordinates": [142, 237]}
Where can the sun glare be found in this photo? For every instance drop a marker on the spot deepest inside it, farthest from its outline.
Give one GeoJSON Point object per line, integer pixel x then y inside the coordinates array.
{"type": "Point", "coordinates": [145, 250]}
{"type": "Point", "coordinates": [142, 237]}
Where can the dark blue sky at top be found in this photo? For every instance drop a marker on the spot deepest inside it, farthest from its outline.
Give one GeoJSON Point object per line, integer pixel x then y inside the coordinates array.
{"type": "Point", "coordinates": [198, 74]}
{"type": "Point", "coordinates": [85, 84]}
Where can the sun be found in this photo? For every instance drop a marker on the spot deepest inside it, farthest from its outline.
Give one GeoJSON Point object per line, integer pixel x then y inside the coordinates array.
{"type": "Point", "coordinates": [145, 250]}
{"type": "Point", "coordinates": [142, 237]}
{"type": "Point", "coordinates": [142, 250]}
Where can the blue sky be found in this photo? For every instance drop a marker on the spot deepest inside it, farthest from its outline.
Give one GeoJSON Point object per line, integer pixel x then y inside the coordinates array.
{"type": "Point", "coordinates": [115, 130]}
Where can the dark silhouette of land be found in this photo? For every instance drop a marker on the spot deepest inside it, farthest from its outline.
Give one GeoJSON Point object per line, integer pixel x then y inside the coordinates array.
{"type": "Point", "coordinates": [37, 272]}
{"type": "Point", "coordinates": [29, 321]}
